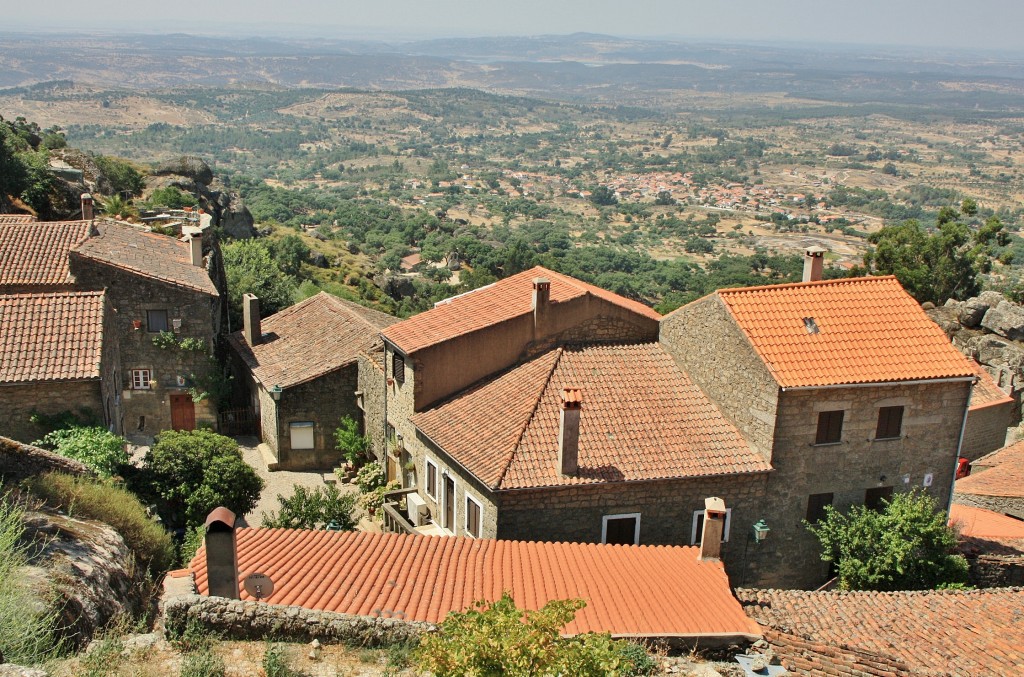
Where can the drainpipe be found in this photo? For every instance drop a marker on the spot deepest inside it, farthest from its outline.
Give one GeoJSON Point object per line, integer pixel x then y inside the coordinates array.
{"type": "Point", "coordinates": [959, 448]}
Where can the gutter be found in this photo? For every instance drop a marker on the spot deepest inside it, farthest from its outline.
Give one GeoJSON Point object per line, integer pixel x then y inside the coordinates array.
{"type": "Point", "coordinates": [875, 384]}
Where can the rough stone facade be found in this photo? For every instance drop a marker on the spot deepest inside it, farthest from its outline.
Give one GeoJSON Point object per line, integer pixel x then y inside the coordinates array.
{"type": "Point", "coordinates": [19, 401]}
{"type": "Point", "coordinates": [996, 571]}
{"type": "Point", "coordinates": [322, 402]}
{"type": "Point", "coordinates": [986, 429]}
{"type": "Point", "coordinates": [465, 485]}
{"type": "Point", "coordinates": [373, 391]}
{"type": "Point", "coordinates": [1005, 505]}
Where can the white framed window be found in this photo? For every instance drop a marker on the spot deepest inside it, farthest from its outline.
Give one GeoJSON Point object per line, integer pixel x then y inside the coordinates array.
{"type": "Point", "coordinates": [430, 478]}
{"type": "Point", "coordinates": [697, 533]}
{"type": "Point", "coordinates": [621, 529]}
{"type": "Point", "coordinates": [474, 516]}
{"type": "Point", "coordinates": [142, 379]}
{"type": "Point", "coordinates": [302, 434]}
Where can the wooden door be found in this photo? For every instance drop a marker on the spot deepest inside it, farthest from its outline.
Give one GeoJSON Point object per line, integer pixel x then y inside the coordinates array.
{"type": "Point", "coordinates": [183, 412]}
{"type": "Point", "coordinates": [449, 503]}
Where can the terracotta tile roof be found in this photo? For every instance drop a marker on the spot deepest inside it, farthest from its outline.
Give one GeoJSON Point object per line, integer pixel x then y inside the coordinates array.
{"type": "Point", "coordinates": [986, 524]}
{"type": "Point", "coordinates": [1004, 476]}
{"type": "Point", "coordinates": [642, 419]}
{"type": "Point", "coordinates": [311, 338]}
{"type": "Point", "coordinates": [150, 255]}
{"type": "Point", "coordinates": [501, 301]}
{"type": "Point", "coordinates": [986, 391]}
{"type": "Point", "coordinates": [6, 219]}
{"type": "Point", "coordinates": [50, 336]}
{"type": "Point", "coordinates": [856, 330]}
{"type": "Point", "coordinates": [630, 590]}
{"type": "Point", "coordinates": [976, 632]}
{"type": "Point", "coordinates": [36, 254]}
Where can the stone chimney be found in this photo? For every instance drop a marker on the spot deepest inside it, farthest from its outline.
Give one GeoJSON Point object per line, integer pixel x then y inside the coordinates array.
{"type": "Point", "coordinates": [714, 527]}
{"type": "Point", "coordinates": [251, 319]}
{"type": "Point", "coordinates": [541, 300]}
{"type": "Point", "coordinates": [221, 554]}
{"type": "Point", "coordinates": [569, 431]}
{"type": "Point", "coordinates": [814, 263]}
{"type": "Point", "coordinates": [87, 214]}
{"type": "Point", "coordinates": [195, 245]}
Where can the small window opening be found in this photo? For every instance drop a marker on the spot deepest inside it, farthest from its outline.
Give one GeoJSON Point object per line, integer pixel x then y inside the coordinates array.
{"type": "Point", "coordinates": [810, 325]}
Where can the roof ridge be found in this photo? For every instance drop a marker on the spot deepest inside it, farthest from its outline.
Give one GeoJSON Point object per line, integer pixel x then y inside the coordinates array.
{"type": "Point", "coordinates": [816, 283]}
{"type": "Point", "coordinates": [533, 412]}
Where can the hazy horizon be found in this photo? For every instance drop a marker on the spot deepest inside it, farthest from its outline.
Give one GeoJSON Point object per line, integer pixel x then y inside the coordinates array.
{"type": "Point", "coordinates": [989, 25]}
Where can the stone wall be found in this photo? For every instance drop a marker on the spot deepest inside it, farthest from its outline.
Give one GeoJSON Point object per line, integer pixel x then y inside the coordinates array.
{"type": "Point", "coordinates": [706, 343]}
{"type": "Point", "coordinates": [986, 429]}
{"type": "Point", "coordinates": [373, 401]}
{"type": "Point", "coordinates": [322, 401]}
{"type": "Point", "coordinates": [19, 401]}
{"type": "Point", "coordinates": [1006, 505]}
{"type": "Point", "coordinates": [18, 461]}
{"type": "Point", "coordinates": [996, 571]}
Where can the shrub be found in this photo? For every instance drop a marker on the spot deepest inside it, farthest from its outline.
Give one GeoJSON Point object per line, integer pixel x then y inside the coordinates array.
{"type": "Point", "coordinates": [202, 664]}
{"type": "Point", "coordinates": [369, 477]}
{"type": "Point", "coordinates": [274, 662]}
{"type": "Point", "coordinates": [373, 500]}
{"type": "Point", "coordinates": [350, 442]}
{"type": "Point", "coordinates": [83, 497]}
{"type": "Point", "coordinates": [497, 638]}
{"type": "Point", "coordinates": [314, 509]}
{"type": "Point", "coordinates": [98, 448]}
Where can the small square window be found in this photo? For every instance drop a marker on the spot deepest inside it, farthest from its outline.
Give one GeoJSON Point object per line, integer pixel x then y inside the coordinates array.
{"type": "Point", "coordinates": [141, 379]}
{"type": "Point", "coordinates": [621, 529]}
{"type": "Point", "coordinates": [430, 482]}
{"type": "Point", "coordinates": [697, 533]}
{"type": "Point", "coordinates": [473, 513]}
{"type": "Point", "coordinates": [301, 435]}
{"type": "Point", "coordinates": [156, 321]}
{"type": "Point", "coordinates": [816, 506]}
{"type": "Point", "coordinates": [398, 367]}
{"type": "Point", "coordinates": [830, 427]}
{"type": "Point", "coordinates": [890, 423]}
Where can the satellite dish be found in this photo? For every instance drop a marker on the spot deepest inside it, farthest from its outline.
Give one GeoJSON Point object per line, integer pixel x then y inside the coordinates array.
{"type": "Point", "coordinates": [259, 586]}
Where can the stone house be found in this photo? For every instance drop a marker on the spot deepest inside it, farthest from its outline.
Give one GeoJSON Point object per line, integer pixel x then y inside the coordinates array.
{"type": "Point", "coordinates": [988, 418]}
{"type": "Point", "coordinates": [58, 352]}
{"type": "Point", "coordinates": [300, 367]}
{"type": "Point", "coordinates": [996, 482]}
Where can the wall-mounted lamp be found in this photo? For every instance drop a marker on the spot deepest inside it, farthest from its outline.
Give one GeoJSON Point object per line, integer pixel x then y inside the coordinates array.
{"type": "Point", "coordinates": [761, 531]}
{"type": "Point", "coordinates": [275, 392]}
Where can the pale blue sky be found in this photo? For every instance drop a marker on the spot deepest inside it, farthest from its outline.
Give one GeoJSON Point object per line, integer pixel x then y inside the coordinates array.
{"type": "Point", "coordinates": [972, 24]}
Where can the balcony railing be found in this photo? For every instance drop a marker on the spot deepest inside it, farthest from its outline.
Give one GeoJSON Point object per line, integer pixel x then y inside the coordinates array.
{"type": "Point", "coordinates": [395, 519]}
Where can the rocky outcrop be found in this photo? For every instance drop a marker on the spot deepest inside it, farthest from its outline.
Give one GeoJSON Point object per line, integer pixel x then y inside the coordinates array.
{"type": "Point", "coordinates": [18, 461]}
{"type": "Point", "coordinates": [190, 166]}
{"type": "Point", "coordinates": [193, 175]}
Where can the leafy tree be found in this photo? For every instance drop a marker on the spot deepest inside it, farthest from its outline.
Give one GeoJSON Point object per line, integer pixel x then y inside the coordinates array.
{"type": "Point", "coordinates": [123, 176]}
{"type": "Point", "coordinates": [97, 447]}
{"type": "Point", "coordinates": [664, 198]}
{"type": "Point", "coordinates": [603, 196]}
{"type": "Point", "coordinates": [352, 444]}
{"type": "Point", "coordinates": [171, 197]}
{"type": "Point", "coordinates": [189, 473]}
{"type": "Point", "coordinates": [314, 509]}
{"type": "Point", "coordinates": [250, 268]}
{"type": "Point", "coordinates": [497, 638]}
{"type": "Point", "coordinates": [290, 252]}
{"type": "Point", "coordinates": [905, 546]}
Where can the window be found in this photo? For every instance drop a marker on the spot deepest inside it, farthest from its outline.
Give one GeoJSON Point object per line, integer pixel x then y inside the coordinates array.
{"type": "Point", "coordinates": [873, 498]}
{"type": "Point", "coordinates": [302, 434]}
{"type": "Point", "coordinates": [830, 427]}
{"type": "Point", "coordinates": [398, 367]}
{"type": "Point", "coordinates": [473, 512]}
{"type": "Point", "coordinates": [697, 533]}
{"type": "Point", "coordinates": [156, 320]}
{"type": "Point", "coordinates": [621, 529]}
{"type": "Point", "coordinates": [890, 423]}
{"type": "Point", "coordinates": [141, 379]}
{"type": "Point", "coordinates": [816, 506]}
{"type": "Point", "coordinates": [430, 483]}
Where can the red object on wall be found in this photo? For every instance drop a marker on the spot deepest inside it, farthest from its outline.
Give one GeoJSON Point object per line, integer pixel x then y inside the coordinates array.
{"type": "Point", "coordinates": [963, 468]}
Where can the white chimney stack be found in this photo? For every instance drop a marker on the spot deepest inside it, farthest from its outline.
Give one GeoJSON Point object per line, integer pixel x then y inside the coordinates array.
{"type": "Point", "coordinates": [251, 319]}
{"type": "Point", "coordinates": [87, 214]}
{"type": "Point", "coordinates": [714, 527]}
{"type": "Point", "coordinates": [195, 245]}
{"type": "Point", "coordinates": [569, 431]}
{"type": "Point", "coordinates": [814, 263]}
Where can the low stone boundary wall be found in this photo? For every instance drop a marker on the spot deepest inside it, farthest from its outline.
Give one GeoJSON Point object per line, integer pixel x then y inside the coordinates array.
{"type": "Point", "coordinates": [18, 461]}
{"type": "Point", "coordinates": [250, 620]}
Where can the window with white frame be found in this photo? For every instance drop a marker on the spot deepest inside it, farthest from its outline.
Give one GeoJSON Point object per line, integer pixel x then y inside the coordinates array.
{"type": "Point", "coordinates": [141, 379]}
{"type": "Point", "coordinates": [474, 513]}
{"type": "Point", "coordinates": [697, 533]}
{"type": "Point", "coordinates": [621, 529]}
{"type": "Point", "coordinates": [430, 479]}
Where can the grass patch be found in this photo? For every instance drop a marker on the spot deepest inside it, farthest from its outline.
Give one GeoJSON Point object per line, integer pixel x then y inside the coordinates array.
{"type": "Point", "coordinates": [202, 664]}
{"type": "Point", "coordinates": [275, 663]}
{"type": "Point", "coordinates": [92, 499]}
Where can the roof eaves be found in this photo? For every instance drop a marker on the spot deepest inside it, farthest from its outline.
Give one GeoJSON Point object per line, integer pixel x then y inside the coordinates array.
{"type": "Point", "coordinates": [664, 478]}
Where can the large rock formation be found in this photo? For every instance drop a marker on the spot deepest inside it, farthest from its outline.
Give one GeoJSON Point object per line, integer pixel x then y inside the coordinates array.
{"type": "Point", "coordinates": [193, 175]}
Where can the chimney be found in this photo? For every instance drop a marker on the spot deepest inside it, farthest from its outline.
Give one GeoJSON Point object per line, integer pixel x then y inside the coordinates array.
{"type": "Point", "coordinates": [569, 431]}
{"type": "Point", "coordinates": [541, 299]}
{"type": "Point", "coordinates": [221, 554]}
{"type": "Point", "coordinates": [251, 319]}
{"type": "Point", "coordinates": [195, 245]}
{"type": "Point", "coordinates": [814, 262]}
{"type": "Point", "coordinates": [87, 207]}
{"type": "Point", "coordinates": [714, 527]}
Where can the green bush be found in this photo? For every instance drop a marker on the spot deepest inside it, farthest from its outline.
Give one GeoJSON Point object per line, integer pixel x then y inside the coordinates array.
{"type": "Point", "coordinates": [500, 639]}
{"type": "Point", "coordinates": [369, 477]}
{"type": "Point", "coordinates": [92, 499]}
{"type": "Point", "coordinates": [350, 442]}
{"type": "Point", "coordinates": [97, 447]}
{"type": "Point", "coordinates": [314, 509]}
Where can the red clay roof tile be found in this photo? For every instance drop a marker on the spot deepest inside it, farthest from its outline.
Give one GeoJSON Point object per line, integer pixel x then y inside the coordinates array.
{"type": "Point", "coordinates": [642, 418]}
{"type": "Point", "coordinates": [629, 590]}
{"type": "Point", "coordinates": [50, 336]}
{"type": "Point", "coordinates": [311, 338]}
{"type": "Point", "coordinates": [501, 301]}
{"type": "Point", "coordinates": [1000, 473]}
{"type": "Point", "coordinates": [856, 330]}
{"type": "Point", "coordinates": [36, 254]}
{"type": "Point", "coordinates": [987, 524]}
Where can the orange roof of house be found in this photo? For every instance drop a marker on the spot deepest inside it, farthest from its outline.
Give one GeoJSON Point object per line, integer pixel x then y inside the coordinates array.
{"type": "Point", "coordinates": [501, 301]}
{"type": "Point", "coordinates": [150, 255]}
{"type": "Point", "coordinates": [36, 254]}
{"type": "Point", "coordinates": [50, 336]}
{"type": "Point", "coordinates": [629, 590]}
{"type": "Point", "coordinates": [16, 218]}
{"type": "Point", "coordinates": [985, 524]}
{"type": "Point", "coordinates": [1004, 475]}
{"type": "Point", "coordinates": [642, 419]}
{"type": "Point", "coordinates": [986, 391]}
{"type": "Point", "coordinates": [1011, 453]}
{"type": "Point", "coordinates": [855, 330]}
{"type": "Point", "coordinates": [309, 339]}
{"type": "Point", "coordinates": [941, 632]}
